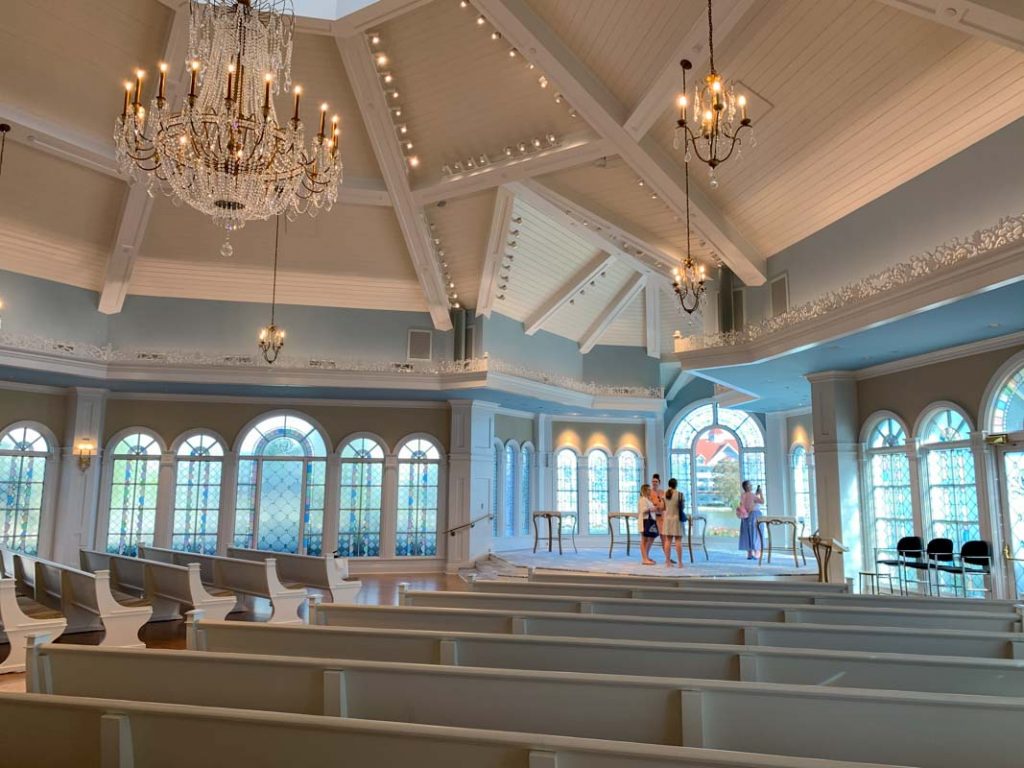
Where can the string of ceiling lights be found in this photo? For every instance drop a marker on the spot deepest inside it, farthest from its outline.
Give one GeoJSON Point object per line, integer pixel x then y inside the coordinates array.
{"type": "Point", "coordinates": [389, 85]}
{"type": "Point", "coordinates": [509, 260]}
{"type": "Point", "coordinates": [442, 261]}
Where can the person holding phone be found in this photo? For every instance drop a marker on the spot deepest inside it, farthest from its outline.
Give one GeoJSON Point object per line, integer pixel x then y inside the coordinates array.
{"type": "Point", "coordinates": [750, 524]}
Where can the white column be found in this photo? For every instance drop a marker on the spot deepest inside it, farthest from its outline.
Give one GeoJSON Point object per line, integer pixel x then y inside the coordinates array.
{"type": "Point", "coordinates": [165, 501]}
{"type": "Point", "coordinates": [545, 463]}
{"type": "Point", "coordinates": [332, 493]}
{"type": "Point", "coordinates": [583, 494]}
{"type": "Point", "coordinates": [75, 521]}
{"type": "Point", "coordinates": [655, 448]}
{"type": "Point", "coordinates": [389, 506]}
{"type": "Point", "coordinates": [834, 415]}
{"type": "Point", "coordinates": [613, 483]}
{"type": "Point", "coordinates": [986, 479]}
{"type": "Point", "coordinates": [228, 497]}
{"type": "Point", "coordinates": [470, 476]}
{"type": "Point", "coordinates": [776, 459]}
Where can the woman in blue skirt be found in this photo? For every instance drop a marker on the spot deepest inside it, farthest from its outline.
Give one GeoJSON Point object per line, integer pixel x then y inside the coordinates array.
{"type": "Point", "coordinates": [749, 512]}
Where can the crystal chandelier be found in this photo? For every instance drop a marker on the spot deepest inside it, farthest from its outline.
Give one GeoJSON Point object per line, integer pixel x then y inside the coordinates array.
{"type": "Point", "coordinates": [224, 151]}
{"type": "Point", "coordinates": [271, 338]}
{"type": "Point", "coordinates": [714, 132]}
{"type": "Point", "coordinates": [688, 282]}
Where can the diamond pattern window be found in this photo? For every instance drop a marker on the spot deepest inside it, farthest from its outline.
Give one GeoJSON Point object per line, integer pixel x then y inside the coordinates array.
{"type": "Point", "coordinates": [419, 468]}
{"type": "Point", "coordinates": [197, 485]}
{"type": "Point", "coordinates": [134, 481]}
{"type": "Point", "coordinates": [361, 498]}
{"type": "Point", "coordinates": [23, 455]}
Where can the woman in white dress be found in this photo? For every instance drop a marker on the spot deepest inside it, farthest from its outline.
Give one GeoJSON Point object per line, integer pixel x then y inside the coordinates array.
{"type": "Point", "coordinates": [647, 523]}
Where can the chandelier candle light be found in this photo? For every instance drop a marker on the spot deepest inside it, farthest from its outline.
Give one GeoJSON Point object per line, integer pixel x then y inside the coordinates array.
{"type": "Point", "coordinates": [224, 151]}
{"type": "Point", "coordinates": [688, 282]}
{"type": "Point", "coordinates": [271, 338]}
{"type": "Point", "coordinates": [714, 131]}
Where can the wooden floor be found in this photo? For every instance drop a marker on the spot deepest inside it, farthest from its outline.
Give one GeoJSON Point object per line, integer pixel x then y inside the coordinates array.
{"type": "Point", "coordinates": [377, 590]}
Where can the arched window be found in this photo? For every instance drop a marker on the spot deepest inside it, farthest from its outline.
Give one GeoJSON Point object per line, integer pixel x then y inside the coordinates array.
{"type": "Point", "coordinates": [508, 499]}
{"type": "Point", "coordinates": [496, 487]}
{"type": "Point", "coordinates": [23, 455]}
{"type": "Point", "coordinates": [890, 502]}
{"type": "Point", "coordinates": [1004, 413]}
{"type": "Point", "coordinates": [1008, 407]}
{"type": "Point", "coordinates": [525, 487]}
{"type": "Point", "coordinates": [198, 471]}
{"type": "Point", "coordinates": [361, 498]}
{"type": "Point", "coordinates": [566, 490]}
{"type": "Point", "coordinates": [630, 479]}
{"type": "Point", "coordinates": [597, 491]}
{"type": "Point", "coordinates": [951, 501]}
{"type": "Point", "coordinates": [803, 486]}
{"type": "Point", "coordinates": [281, 475]}
{"type": "Point", "coordinates": [419, 481]}
{"type": "Point", "coordinates": [134, 479]}
{"type": "Point", "coordinates": [711, 451]}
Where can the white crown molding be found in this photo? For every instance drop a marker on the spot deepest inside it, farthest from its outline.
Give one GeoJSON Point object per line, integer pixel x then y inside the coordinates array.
{"type": "Point", "coordinates": [434, 405]}
{"type": "Point", "coordinates": [942, 355]}
{"type": "Point", "coordinates": [36, 389]}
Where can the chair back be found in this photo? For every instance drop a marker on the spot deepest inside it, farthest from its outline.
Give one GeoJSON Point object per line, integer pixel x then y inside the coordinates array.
{"type": "Point", "coordinates": [940, 550]}
{"type": "Point", "coordinates": [977, 553]}
{"type": "Point", "coordinates": [910, 547]}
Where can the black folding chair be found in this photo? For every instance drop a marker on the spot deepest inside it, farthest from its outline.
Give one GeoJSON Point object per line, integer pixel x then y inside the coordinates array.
{"type": "Point", "coordinates": [937, 553]}
{"type": "Point", "coordinates": [975, 559]}
{"type": "Point", "coordinates": [908, 550]}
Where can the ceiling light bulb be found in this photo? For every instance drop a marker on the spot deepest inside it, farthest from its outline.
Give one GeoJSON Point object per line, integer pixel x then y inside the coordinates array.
{"type": "Point", "coordinates": [681, 101]}
{"type": "Point", "coordinates": [408, 145]}
{"type": "Point", "coordinates": [552, 139]}
{"type": "Point", "coordinates": [543, 81]}
{"type": "Point", "coordinates": [382, 60]}
{"type": "Point", "coordinates": [463, 4]}
{"type": "Point", "coordinates": [536, 142]}
{"type": "Point", "coordinates": [716, 85]}
{"type": "Point", "coordinates": [741, 100]}
{"type": "Point", "coordinates": [388, 77]}
{"type": "Point", "coordinates": [374, 38]}
{"type": "Point", "coordinates": [163, 66]}
{"type": "Point", "coordinates": [414, 162]}
{"type": "Point", "coordinates": [522, 146]}
{"type": "Point", "coordinates": [403, 129]}
{"type": "Point", "coordinates": [495, 35]}
{"type": "Point", "coordinates": [480, 21]}
{"type": "Point", "coordinates": [508, 150]}
{"type": "Point", "coordinates": [511, 53]}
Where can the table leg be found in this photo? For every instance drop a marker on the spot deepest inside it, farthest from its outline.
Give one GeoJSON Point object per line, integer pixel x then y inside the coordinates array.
{"type": "Point", "coordinates": [572, 533]}
{"type": "Point", "coordinates": [559, 535]}
{"type": "Point", "coordinates": [536, 534]}
{"type": "Point", "coordinates": [689, 537]}
{"type": "Point", "coordinates": [611, 534]}
{"type": "Point", "coordinates": [796, 560]}
{"type": "Point", "coordinates": [704, 539]}
{"type": "Point", "coordinates": [550, 536]}
{"type": "Point", "coordinates": [627, 537]}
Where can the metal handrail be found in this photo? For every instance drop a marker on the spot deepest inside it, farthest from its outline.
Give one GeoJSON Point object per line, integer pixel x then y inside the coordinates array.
{"type": "Point", "coordinates": [470, 524]}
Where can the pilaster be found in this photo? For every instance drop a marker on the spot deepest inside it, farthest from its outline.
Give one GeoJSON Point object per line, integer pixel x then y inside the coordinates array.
{"type": "Point", "coordinates": [228, 498]}
{"type": "Point", "coordinates": [545, 462]}
{"type": "Point", "coordinates": [470, 479]}
{"type": "Point", "coordinates": [777, 474]}
{"type": "Point", "coordinates": [165, 501]}
{"type": "Point", "coordinates": [332, 494]}
{"type": "Point", "coordinates": [655, 447]}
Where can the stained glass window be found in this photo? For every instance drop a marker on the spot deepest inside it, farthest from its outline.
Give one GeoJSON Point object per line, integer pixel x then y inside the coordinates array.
{"type": "Point", "coordinates": [509, 490]}
{"type": "Point", "coordinates": [630, 480]}
{"type": "Point", "coordinates": [566, 491]}
{"type": "Point", "coordinates": [891, 506]}
{"type": "Point", "coordinates": [279, 502]}
{"type": "Point", "coordinates": [135, 477]}
{"type": "Point", "coordinates": [199, 466]}
{"type": "Point", "coordinates": [525, 488]}
{"type": "Point", "coordinates": [597, 491]}
{"type": "Point", "coordinates": [23, 454]}
{"type": "Point", "coordinates": [952, 494]}
{"type": "Point", "coordinates": [360, 500]}
{"type": "Point", "coordinates": [1013, 473]}
{"type": "Point", "coordinates": [945, 426]}
{"type": "Point", "coordinates": [802, 488]}
{"type": "Point", "coordinates": [888, 433]}
{"type": "Point", "coordinates": [419, 467]}
{"type": "Point", "coordinates": [1008, 411]}
{"type": "Point", "coordinates": [495, 485]}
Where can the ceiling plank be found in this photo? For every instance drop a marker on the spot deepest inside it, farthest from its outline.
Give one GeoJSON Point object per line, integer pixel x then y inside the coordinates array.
{"type": "Point", "coordinates": [606, 318]}
{"type": "Point", "coordinates": [138, 203]}
{"type": "Point", "coordinates": [356, 57]}
{"type": "Point", "coordinates": [573, 151]}
{"type": "Point", "coordinates": [518, 23]}
{"type": "Point", "coordinates": [500, 224]}
{"type": "Point", "coordinates": [652, 319]}
{"type": "Point", "coordinates": [692, 46]}
{"type": "Point", "coordinates": [567, 291]}
{"type": "Point", "coordinates": [979, 18]}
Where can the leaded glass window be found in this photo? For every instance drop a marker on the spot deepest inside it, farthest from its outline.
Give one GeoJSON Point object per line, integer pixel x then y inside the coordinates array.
{"type": "Point", "coordinates": [23, 455]}
{"type": "Point", "coordinates": [495, 486]}
{"type": "Point", "coordinates": [597, 491]}
{"type": "Point", "coordinates": [1008, 411]}
{"type": "Point", "coordinates": [802, 489]}
{"type": "Point", "coordinates": [952, 494]}
{"type": "Point", "coordinates": [630, 480]}
{"type": "Point", "coordinates": [888, 433]}
{"type": "Point", "coordinates": [361, 498]}
{"type": "Point", "coordinates": [509, 490]}
{"type": "Point", "coordinates": [419, 467]}
{"type": "Point", "coordinates": [197, 483]}
{"type": "Point", "coordinates": [891, 506]}
{"type": "Point", "coordinates": [525, 487]}
{"type": "Point", "coordinates": [566, 490]}
{"type": "Point", "coordinates": [135, 477]}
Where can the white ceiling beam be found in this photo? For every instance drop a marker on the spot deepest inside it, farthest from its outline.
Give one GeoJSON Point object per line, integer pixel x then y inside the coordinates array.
{"type": "Point", "coordinates": [652, 319]}
{"type": "Point", "coordinates": [681, 379]}
{"type": "Point", "coordinates": [138, 204]}
{"type": "Point", "coordinates": [987, 19]}
{"type": "Point", "coordinates": [525, 30]}
{"type": "Point", "coordinates": [692, 46]}
{"type": "Point", "coordinates": [601, 234]}
{"type": "Point", "coordinates": [572, 151]}
{"type": "Point", "coordinates": [611, 314]}
{"type": "Point", "coordinates": [366, 85]}
{"type": "Point", "coordinates": [501, 221]}
{"type": "Point", "coordinates": [59, 141]}
{"type": "Point", "coordinates": [567, 291]}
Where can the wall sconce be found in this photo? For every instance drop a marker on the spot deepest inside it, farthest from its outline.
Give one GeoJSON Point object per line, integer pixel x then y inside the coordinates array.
{"type": "Point", "coordinates": [85, 449]}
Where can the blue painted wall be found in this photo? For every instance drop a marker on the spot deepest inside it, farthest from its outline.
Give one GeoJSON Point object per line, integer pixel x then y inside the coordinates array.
{"type": "Point", "coordinates": [504, 339]}
{"type": "Point", "coordinates": [43, 308]}
{"type": "Point", "coordinates": [621, 366]}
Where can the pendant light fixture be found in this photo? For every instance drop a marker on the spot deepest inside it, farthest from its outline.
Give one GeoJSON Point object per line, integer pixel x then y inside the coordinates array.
{"type": "Point", "coordinates": [271, 338]}
{"type": "Point", "coordinates": [689, 282]}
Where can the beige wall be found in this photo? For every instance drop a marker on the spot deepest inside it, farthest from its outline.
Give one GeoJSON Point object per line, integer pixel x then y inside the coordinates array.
{"type": "Point", "coordinates": [586, 435]}
{"type": "Point", "coordinates": [518, 428]}
{"type": "Point", "coordinates": [49, 409]}
{"type": "Point", "coordinates": [908, 393]}
{"type": "Point", "coordinates": [169, 418]}
{"type": "Point", "coordinates": [799, 429]}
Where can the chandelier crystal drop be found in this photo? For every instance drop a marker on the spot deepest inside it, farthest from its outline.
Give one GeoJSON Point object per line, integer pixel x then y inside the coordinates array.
{"type": "Point", "coordinates": [271, 338]}
{"type": "Point", "coordinates": [689, 282]}
{"type": "Point", "coordinates": [719, 114]}
{"type": "Point", "coordinates": [224, 152]}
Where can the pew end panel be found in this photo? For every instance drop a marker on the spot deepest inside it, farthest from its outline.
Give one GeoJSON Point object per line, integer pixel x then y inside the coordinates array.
{"type": "Point", "coordinates": [17, 628]}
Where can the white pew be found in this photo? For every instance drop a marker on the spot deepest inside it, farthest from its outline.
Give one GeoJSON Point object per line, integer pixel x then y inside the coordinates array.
{"type": "Point", "coordinates": [89, 603]}
{"type": "Point", "coordinates": [682, 609]}
{"type": "Point", "coordinates": [795, 583]}
{"type": "Point", "coordinates": [842, 669]}
{"type": "Point", "coordinates": [110, 732]}
{"type": "Point", "coordinates": [19, 618]}
{"type": "Point", "coordinates": [243, 577]}
{"type": "Point", "coordinates": [327, 573]}
{"type": "Point", "coordinates": [166, 586]}
{"type": "Point", "coordinates": [738, 595]}
{"type": "Point", "coordinates": [663, 711]}
{"type": "Point", "coordinates": [992, 645]}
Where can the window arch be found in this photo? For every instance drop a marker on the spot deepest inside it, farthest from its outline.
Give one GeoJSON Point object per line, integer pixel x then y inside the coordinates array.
{"type": "Point", "coordinates": [199, 467]}
{"type": "Point", "coordinates": [631, 477]}
{"type": "Point", "coordinates": [711, 450]}
{"type": "Point", "coordinates": [134, 483]}
{"type": "Point", "coordinates": [281, 477]}
{"type": "Point", "coordinates": [597, 491]}
{"type": "Point", "coordinates": [951, 493]}
{"type": "Point", "coordinates": [890, 500]}
{"type": "Point", "coordinates": [419, 484]}
{"type": "Point", "coordinates": [508, 498]}
{"type": "Point", "coordinates": [24, 451]}
{"type": "Point", "coordinates": [360, 501]}
{"type": "Point", "coordinates": [1007, 400]}
{"type": "Point", "coordinates": [566, 481]}
{"type": "Point", "coordinates": [525, 487]}
{"type": "Point", "coordinates": [803, 485]}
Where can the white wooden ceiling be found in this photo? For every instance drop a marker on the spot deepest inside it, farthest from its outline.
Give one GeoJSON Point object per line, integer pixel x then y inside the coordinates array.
{"type": "Point", "coordinates": [850, 99]}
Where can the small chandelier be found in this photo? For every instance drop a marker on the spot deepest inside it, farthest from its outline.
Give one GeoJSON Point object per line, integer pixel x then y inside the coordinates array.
{"type": "Point", "coordinates": [716, 131]}
{"type": "Point", "coordinates": [271, 338]}
{"type": "Point", "coordinates": [224, 151]}
{"type": "Point", "coordinates": [688, 282]}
